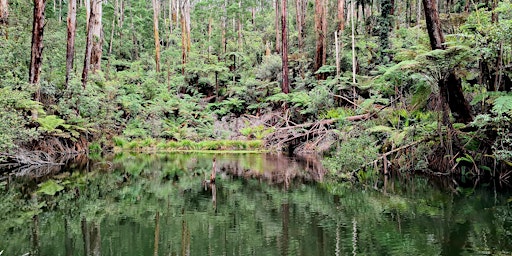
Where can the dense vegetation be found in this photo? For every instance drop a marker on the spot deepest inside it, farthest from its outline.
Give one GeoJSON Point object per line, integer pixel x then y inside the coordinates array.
{"type": "Point", "coordinates": [367, 84]}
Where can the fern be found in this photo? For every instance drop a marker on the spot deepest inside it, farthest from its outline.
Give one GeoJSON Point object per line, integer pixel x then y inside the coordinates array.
{"type": "Point", "coordinates": [50, 123]}
{"type": "Point", "coordinates": [503, 105]}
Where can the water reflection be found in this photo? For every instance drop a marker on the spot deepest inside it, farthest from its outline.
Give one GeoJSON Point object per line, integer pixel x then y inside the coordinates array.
{"type": "Point", "coordinates": [258, 205]}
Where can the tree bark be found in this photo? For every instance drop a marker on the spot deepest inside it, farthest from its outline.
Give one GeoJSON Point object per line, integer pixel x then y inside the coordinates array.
{"type": "Point", "coordinates": [94, 41]}
{"type": "Point", "coordinates": [300, 18]}
{"type": "Point", "coordinates": [433, 25]}
{"type": "Point", "coordinates": [450, 86]}
{"type": "Point", "coordinates": [156, 4]}
{"type": "Point", "coordinates": [185, 33]}
{"type": "Point", "coordinates": [4, 16]}
{"type": "Point", "coordinates": [321, 32]}
{"type": "Point", "coordinates": [353, 46]}
{"type": "Point", "coordinates": [70, 49]}
{"type": "Point", "coordinates": [284, 35]}
{"type": "Point", "coordinates": [223, 25]}
{"type": "Point", "coordinates": [341, 15]}
{"type": "Point", "coordinates": [95, 25]}
{"type": "Point", "coordinates": [36, 55]}
{"type": "Point", "coordinates": [278, 25]}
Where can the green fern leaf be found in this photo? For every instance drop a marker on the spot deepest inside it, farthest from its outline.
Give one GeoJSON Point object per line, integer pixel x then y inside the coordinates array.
{"type": "Point", "coordinates": [502, 105]}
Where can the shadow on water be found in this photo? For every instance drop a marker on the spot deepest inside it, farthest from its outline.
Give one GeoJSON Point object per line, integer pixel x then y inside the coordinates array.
{"type": "Point", "coordinates": [259, 205]}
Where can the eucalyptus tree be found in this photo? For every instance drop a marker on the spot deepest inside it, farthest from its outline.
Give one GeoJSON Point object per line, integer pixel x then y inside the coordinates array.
{"type": "Point", "coordinates": [70, 49]}
{"type": "Point", "coordinates": [156, 5]}
{"type": "Point", "coordinates": [321, 39]}
{"type": "Point", "coordinates": [36, 56]}
{"type": "Point", "coordinates": [94, 41]}
{"type": "Point", "coordinates": [284, 34]}
{"type": "Point", "coordinates": [4, 16]}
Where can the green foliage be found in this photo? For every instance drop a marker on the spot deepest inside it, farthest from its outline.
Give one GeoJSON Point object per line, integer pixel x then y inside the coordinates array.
{"type": "Point", "coordinates": [352, 154]}
{"type": "Point", "coordinates": [258, 132]}
{"type": "Point", "coordinates": [15, 106]}
{"type": "Point", "coordinates": [50, 187]}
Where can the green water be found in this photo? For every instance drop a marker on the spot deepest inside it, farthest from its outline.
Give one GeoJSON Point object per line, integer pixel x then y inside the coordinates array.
{"type": "Point", "coordinates": [260, 205]}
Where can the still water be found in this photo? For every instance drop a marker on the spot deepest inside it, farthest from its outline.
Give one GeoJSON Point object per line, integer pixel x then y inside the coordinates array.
{"type": "Point", "coordinates": [259, 205]}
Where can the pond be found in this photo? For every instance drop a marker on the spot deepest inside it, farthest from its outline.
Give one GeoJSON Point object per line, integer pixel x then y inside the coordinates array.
{"type": "Point", "coordinates": [259, 205]}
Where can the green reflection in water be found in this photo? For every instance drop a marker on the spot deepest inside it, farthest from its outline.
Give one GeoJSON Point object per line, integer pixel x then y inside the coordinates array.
{"type": "Point", "coordinates": [260, 205]}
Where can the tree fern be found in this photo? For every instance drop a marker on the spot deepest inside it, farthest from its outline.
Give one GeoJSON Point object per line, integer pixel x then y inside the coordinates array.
{"type": "Point", "coordinates": [503, 105]}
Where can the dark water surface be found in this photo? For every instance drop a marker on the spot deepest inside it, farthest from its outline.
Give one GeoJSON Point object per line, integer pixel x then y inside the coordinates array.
{"type": "Point", "coordinates": [260, 205]}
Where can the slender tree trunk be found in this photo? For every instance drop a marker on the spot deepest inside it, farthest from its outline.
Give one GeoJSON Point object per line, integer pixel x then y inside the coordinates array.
{"type": "Point", "coordinates": [498, 69]}
{"type": "Point", "coordinates": [299, 15]}
{"type": "Point", "coordinates": [70, 49]}
{"type": "Point", "coordinates": [156, 4]}
{"type": "Point", "coordinates": [321, 32]}
{"type": "Point", "coordinates": [284, 34]}
{"type": "Point", "coordinates": [341, 15]}
{"type": "Point", "coordinates": [278, 25]}
{"type": "Point", "coordinates": [97, 35]}
{"type": "Point", "coordinates": [135, 44]}
{"type": "Point", "coordinates": [337, 53]}
{"type": "Point", "coordinates": [87, 13]}
{"type": "Point", "coordinates": [87, 58]}
{"type": "Point", "coordinates": [4, 12]}
{"type": "Point", "coordinates": [418, 13]}
{"type": "Point", "coordinates": [450, 86]}
{"type": "Point", "coordinates": [239, 22]}
{"type": "Point", "coordinates": [223, 25]}
{"type": "Point", "coordinates": [353, 46]}
{"type": "Point", "coordinates": [185, 33]}
{"type": "Point", "coordinates": [60, 11]}
{"type": "Point", "coordinates": [112, 31]}
{"type": "Point", "coordinates": [4, 18]}
{"type": "Point", "coordinates": [36, 55]}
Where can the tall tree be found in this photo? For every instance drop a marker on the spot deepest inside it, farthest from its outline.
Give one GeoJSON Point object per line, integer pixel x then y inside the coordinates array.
{"type": "Point", "coordinates": [341, 15]}
{"type": "Point", "coordinates": [185, 32]}
{"type": "Point", "coordinates": [93, 44]}
{"type": "Point", "coordinates": [70, 49]}
{"type": "Point", "coordinates": [278, 26]}
{"type": "Point", "coordinates": [4, 16]}
{"type": "Point", "coordinates": [300, 11]}
{"type": "Point", "coordinates": [285, 86]}
{"type": "Point", "coordinates": [156, 4]}
{"type": "Point", "coordinates": [452, 97]}
{"type": "Point", "coordinates": [36, 55]}
{"type": "Point", "coordinates": [321, 33]}
{"type": "Point", "coordinates": [97, 35]}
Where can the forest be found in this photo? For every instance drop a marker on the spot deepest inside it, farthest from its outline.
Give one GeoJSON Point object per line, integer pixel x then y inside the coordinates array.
{"type": "Point", "coordinates": [372, 86]}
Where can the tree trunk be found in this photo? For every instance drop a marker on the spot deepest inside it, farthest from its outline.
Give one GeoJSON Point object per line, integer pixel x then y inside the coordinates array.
{"type": "Point", "coordinates": [300, 13]}
{"type": "Point", "coordinates": [92, 41]}
{"type": "Point", "coordinates": [223, 25]}
{"type": "Point", "coordinates": [418, 13]}
{"type": "Point", "coordinates": [278, 25]}
{"type": "Point", "coordinates": [451, 85]}
{"type": "Point", "coordinates": [341, 15]}
{"type": "Point", "coordinates": [70, 49]}
{"type": "Point", "coordinates": [4, 16]}
{"type": "Point", "coordinates": [95, 25]}
{"type": "Point", "coordinates": [337, 53]}
{"type": "Point", "coordinates": [284, 35]}
{"type": "Point", "coordinates": [353, 46]}
{"type": "Point", "coordinates": [185, 33]}
{"type": "Point", "coordinates": [36, 55]}
{"type": "Point", "coordinates": [239, 22]}
{"type": "Point", "coordinates": [321, 32]}
{"type": "Point", "coordinates": [156, 4]}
